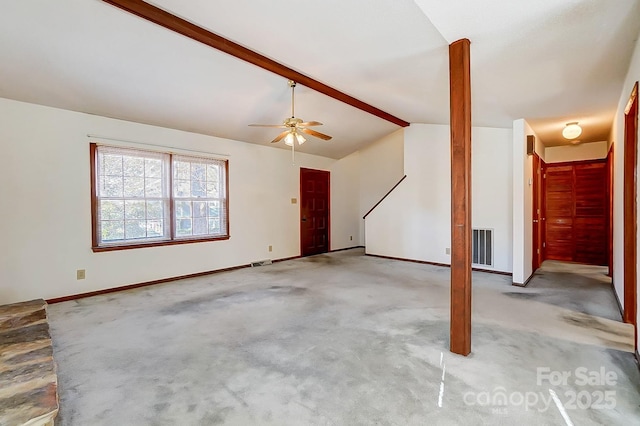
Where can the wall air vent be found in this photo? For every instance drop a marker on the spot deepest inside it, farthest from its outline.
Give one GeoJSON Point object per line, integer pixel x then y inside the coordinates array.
{"type": "Point", "coordinates": [482, 249]}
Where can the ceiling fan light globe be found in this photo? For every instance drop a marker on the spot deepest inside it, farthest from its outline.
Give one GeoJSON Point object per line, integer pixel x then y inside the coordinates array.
{"type": "Point", "coordinates": [300, 139]}
{"type": "Point", "coordinates": [571, 131]}
{"type": "Point", "coordinates": [289, 139]}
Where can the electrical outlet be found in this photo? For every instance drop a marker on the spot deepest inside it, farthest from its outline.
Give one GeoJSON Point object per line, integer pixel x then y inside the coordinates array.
{"type": "Point", "coordinates": [350, 237]}
{"type": "Point", "coordinates": [80, 274]}
{"type": "Point", "coordinates": [270, 248]}
{"type": "Point", "coordinates": [447, 250]}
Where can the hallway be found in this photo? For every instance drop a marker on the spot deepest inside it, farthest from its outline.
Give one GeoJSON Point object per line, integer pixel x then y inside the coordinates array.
{"type": "Point", "coordinates": [582, 288]}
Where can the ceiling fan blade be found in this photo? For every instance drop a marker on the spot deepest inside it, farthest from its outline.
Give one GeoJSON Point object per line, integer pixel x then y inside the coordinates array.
{"type": "Point", "coordinates": [310, 123]}
{"type": "Point", "coordinates": [315, 134]}
{"type": "Point", "coordinates": [280, 136]}
{"type": "Point", "coordinates": [268, 125]}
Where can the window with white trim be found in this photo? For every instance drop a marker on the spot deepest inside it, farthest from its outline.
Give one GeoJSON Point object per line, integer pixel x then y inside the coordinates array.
{"type": "Point", "coordinates": [142, 198]}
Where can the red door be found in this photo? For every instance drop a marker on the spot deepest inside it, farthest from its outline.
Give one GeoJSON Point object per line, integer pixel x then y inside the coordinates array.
{"type": "Point", "coordinates": [591, 225]}
{"type": "Point", "coordinates": [576, 212]}
{"type": "Point", "coordinates": [559, 214]}
{"type": "Point", "coordinates": [314, 211]}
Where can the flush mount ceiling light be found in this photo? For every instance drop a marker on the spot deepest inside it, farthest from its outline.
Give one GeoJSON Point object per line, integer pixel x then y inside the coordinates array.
{"type": "Point", "coordinates": [572, 130]}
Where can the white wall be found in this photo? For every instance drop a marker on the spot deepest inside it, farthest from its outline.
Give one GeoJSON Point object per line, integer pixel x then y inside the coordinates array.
{"type": "Point", "coordinates": [584, 151]}
{"type": "Point", "coordinates": [523, 199]}
{"type": "Point", "coordinates": [345, 202]}
{"type": "Point", "coordinates": [381, 167]}
{"type": "Point", "coordinates": [46, 220]}
{"type": "Point", "coordinates": [522, 202]}
{"type": "Point", "coordinates": [492, 189]}
{"type": "Point", "coordinates": [539, 147]}
{"type": "Point", "coordinates": [617, 138]}
{"type": "Point", "coordinates": [414, 221]}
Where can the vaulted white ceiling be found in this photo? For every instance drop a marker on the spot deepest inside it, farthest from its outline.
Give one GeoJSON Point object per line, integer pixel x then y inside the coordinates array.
{"type": "Point", "coordinates": [549, 61]}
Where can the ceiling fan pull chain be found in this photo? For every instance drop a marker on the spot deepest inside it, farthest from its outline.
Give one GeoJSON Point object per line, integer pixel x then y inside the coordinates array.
{"type": "Point", "coordinates": [293, 154]}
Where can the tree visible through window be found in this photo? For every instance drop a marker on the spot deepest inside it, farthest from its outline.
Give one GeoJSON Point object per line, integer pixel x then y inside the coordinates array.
{"type": "Point", "coordinates": [145, 197]}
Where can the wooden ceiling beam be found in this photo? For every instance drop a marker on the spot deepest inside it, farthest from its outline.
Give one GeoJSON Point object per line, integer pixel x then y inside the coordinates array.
{"type": "Point", "coordinates": [171, 22]}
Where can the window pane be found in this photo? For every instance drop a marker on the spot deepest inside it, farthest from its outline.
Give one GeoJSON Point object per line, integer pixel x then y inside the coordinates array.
{"type": "Point", "coordinates": [213, 180]}
{"type": "Point", "coordinates": [198, 171]}
{"type": "Point", "coordinates": [153, 187]}
{"type": "Point", "coordinates": [183, 209]}
{"type": "Point", "coordinates": [112, 210]}
{"type": "Point", "coordinates": [199, 209]}
{"type": "Point", "coordinates": [198, 188]}
{"type": "Point", "coordinates": [133, 166]}
{"type": "Point", "coordinates": [214, 226]}
{"type": "Point", "coordinates": [212, 189]}
{"type": "Point", "coordinates": [155, 228]}
{"type": "Point", "coordinates": [111, 186]}
{"type": "Point", "coordinates": [112, 230]}
{"type": "Point", "coordinates": [182, 188]}
{"type": "Point", "coordinates": [135, 229]}
{"type": "Point", "coordinates": [200, 226]}
{"type": "Point", "coordinates": [134, 209]}
{"type": "Point", "coordinates": [213, 172]}
{"type": "Point", "coordinates": [153, 168]}
{"type": "Point", "coordinates": [183, 227]}
{"type": "Point", "coordinates": [155, 210]}
{"type": "Point", "coordinates": [133, 187]}
{"type": "Point", "coordinates": [181, 170]}
{"type": "Point", "coordinates": [214, 208]}
{"type": "Point", "coordinates": [112, 165]}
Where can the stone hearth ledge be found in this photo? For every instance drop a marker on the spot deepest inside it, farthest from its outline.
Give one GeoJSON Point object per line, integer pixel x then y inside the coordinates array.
{"type": "Point", "coordinates": [28, 381]}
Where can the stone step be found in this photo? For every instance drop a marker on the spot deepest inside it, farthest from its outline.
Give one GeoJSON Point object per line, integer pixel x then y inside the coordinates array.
{"type": "Point", "coordinates": [28, 381]}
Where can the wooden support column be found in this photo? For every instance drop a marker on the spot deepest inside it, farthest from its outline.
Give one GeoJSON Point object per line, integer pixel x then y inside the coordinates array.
{"type": "Point", "coordinates": [460, 105]}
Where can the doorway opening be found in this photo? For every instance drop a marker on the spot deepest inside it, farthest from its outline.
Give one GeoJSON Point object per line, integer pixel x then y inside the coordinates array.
{"type": "Point", "coordinates": [314, 211]}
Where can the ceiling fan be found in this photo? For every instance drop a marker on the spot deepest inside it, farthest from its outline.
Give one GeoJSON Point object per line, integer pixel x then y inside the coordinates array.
{"type": "Point", "coordinates": [295, 126]}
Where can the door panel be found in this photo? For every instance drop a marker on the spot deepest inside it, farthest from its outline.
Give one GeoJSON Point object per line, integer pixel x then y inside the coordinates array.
{"type": "Point", "coordinates": [560, 239]}
{"type": "Point", "coordinates": [576, 212]}
{"type": "Point", "coordinates": [314, 211]}
{"type": "Point", "coordinates": [591, 213]}
{"type": "Point", "coordinates": [559, 214]}
{"type": "Point", "coordinates": [591, 187]}
{"type": "Point", "coordinates": [591, 241]}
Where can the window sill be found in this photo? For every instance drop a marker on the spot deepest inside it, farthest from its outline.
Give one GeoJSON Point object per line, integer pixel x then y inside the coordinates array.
{"type": "Point", "coordinates": [99, 249]}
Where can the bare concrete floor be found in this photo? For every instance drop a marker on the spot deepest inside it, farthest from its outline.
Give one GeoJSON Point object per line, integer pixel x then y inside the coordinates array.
{"type": "Point", "coordinates": [344, 339]}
